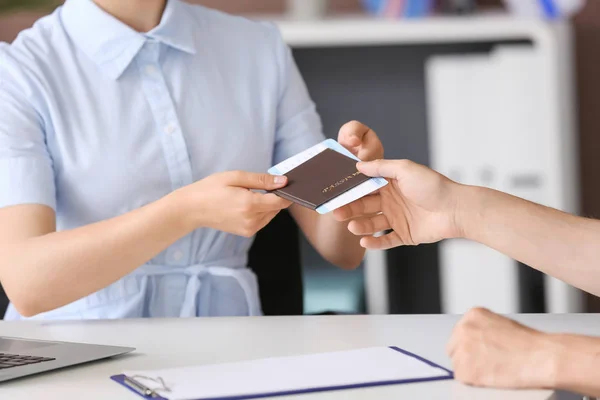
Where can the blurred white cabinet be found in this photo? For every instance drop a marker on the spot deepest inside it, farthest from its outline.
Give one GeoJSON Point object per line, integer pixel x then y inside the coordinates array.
{"type": "Point", "coordinates": [487, 129]}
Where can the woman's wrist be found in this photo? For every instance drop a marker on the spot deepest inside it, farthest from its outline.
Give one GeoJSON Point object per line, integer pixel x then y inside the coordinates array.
{"type": "Point", "coordinates": [181, 211]}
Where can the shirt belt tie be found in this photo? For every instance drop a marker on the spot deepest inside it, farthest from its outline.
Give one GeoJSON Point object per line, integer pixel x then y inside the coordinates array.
{"type": "Point", "coordinates": [195, 273]}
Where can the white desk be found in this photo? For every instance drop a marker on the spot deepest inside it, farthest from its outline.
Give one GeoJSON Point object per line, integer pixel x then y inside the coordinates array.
{"type": "Point", "coordinates": [180, 342]}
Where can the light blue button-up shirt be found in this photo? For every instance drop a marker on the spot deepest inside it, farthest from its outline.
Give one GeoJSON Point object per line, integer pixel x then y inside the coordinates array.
{"type": "Point", "coordinates": [97, 120]}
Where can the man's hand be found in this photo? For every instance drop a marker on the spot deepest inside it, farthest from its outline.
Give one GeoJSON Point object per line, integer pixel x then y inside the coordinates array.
{"type": "Point", "coordinates": [361, 140]}
{"type": "Point", "coordinates": [492, 351]}
{"type": "Point", "coordinates": [420, 206]}
{"type": "Point", "coordinates": [224, 202]}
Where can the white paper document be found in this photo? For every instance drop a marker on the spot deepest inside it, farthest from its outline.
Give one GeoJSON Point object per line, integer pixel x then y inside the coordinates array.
{"type": "Point", "coordinates": [292, 375]}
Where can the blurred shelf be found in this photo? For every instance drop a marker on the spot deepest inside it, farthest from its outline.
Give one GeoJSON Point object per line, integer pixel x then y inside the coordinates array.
{"type": "Point", "coordinates": [365, 30]}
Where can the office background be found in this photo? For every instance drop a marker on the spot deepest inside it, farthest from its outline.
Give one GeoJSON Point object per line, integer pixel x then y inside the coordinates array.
{"type": "Point", "coordinates": [393, 80]}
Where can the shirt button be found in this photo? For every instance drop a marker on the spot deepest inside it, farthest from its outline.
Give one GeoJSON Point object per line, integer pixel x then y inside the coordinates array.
{"type": "Point", "coordinates": [170, 129]}
{"type": "Point", "coordinates": [151, 70]}
{"type": "Point", "coordinates": [178, 255]}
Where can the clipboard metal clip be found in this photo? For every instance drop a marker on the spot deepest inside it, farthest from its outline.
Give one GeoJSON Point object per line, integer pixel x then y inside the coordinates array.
{"type": "Point", "coordinates": [134, 384]}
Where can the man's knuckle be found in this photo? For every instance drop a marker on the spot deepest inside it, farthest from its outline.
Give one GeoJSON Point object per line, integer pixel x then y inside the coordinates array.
{"type": "Point", "coordinates": [478, 313]}
{"type": "Point", "coordinates": [464, 329]}
{"type": "Point", "coordinates": [470, 328]}
{"type": "Point", "coordinates": [470, 314]}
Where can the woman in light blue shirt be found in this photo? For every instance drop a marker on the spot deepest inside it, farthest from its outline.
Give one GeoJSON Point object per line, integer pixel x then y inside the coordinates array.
{"type": "Point", "coordinates": [124, 130]}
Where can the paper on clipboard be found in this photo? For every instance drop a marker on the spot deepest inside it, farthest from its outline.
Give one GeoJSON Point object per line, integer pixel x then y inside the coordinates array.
{"type": "Point", "coordinates": [269, 377]}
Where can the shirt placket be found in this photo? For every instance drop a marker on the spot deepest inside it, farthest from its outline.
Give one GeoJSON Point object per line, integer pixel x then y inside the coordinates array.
{"type": "Point", "coordinates": [168, 129]}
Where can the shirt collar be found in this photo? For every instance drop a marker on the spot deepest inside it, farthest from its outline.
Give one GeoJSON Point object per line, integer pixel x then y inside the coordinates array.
{"type": "Point", "coordinates": [113, 45]}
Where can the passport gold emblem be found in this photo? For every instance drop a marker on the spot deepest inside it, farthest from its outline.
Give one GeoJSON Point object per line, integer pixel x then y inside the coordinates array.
{"type": "Point", "coordinates": [340, 182]}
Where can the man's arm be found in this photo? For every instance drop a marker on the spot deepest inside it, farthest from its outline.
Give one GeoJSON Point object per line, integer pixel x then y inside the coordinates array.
{"type": "Point", "coordinates": [578, 360]}
{"type": "Point", "coordinates": [422, 206]}
{"type": "Point", "coordinates": [562, 245]}
{"type": "Point", "coordinates": [490, 350]}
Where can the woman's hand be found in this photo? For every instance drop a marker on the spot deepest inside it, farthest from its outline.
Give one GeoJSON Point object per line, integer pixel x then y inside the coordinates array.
{"type": "Point", "coordinates": [361, 140]}
{"type": "Point", "coordinates": [225, 202]}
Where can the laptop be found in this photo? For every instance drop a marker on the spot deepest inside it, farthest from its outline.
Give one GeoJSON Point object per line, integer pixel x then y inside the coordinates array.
{"type": "Point", "coordinates": [24, 357]}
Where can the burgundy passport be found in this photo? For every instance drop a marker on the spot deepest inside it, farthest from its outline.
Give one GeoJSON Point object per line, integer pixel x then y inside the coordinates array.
{"type": "Point", "coordinates": [320, 179]}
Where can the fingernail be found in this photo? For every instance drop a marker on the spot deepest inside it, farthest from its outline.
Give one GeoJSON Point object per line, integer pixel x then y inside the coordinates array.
{"type": "Point", "coordinates": [280, 179]}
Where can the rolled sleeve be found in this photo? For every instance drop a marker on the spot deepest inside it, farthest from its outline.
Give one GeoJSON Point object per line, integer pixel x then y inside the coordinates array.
{"type": "Point", "coordinates": [298, 123]}
{"type": "Point", "coordinates": [26, 172]}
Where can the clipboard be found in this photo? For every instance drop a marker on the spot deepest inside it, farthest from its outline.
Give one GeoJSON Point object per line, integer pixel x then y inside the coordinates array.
{"type": "Point", "coordinates": [149, 393]}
